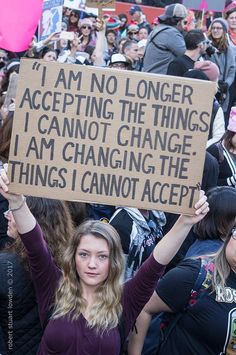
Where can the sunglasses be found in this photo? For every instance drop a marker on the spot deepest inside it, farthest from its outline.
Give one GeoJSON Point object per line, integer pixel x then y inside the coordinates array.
{"type": "Point", "coordinates": [88, 27]}
{"type": "Point", "coordinates": [217, 28]}
{"type": "Point", "coordinates": [75, 15]}
{"type": "Point", "coordinates": [3, 58]}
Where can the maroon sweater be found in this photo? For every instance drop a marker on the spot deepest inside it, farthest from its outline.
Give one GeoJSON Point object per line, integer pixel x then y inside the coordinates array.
{"type": "Point", "coordinates": [62, 336]}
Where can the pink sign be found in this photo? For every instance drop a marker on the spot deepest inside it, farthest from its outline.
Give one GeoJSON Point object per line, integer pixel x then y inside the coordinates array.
{"type": "Point", "coordinates": [206, 5]}
{"type": "Point", "coordinates": [18, 22]}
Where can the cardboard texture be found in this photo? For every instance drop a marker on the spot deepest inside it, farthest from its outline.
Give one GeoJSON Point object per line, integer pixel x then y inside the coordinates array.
{"type": "Point", "coordinates": [109, 136]}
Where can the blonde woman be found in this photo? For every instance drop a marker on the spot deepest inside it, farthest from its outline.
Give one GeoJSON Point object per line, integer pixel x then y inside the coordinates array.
{"type": "Point", "coordinates": [88, 296]}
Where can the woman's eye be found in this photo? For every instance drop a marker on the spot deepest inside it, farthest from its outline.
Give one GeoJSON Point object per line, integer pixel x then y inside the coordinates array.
{"type": "Point", "coordinates": [83, 255]}
{"type": "Point", "coordinates": [103, 257]}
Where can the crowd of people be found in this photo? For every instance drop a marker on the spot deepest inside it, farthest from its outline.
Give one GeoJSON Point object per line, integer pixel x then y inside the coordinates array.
{"type": "Point", "coordinates": [85, 278]}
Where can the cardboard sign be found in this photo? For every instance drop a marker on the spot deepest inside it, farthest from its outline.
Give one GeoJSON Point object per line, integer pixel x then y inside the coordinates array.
{"type": "Point", "coordinates": [206, 5]}
{"type": "Point", "coordinates": [109, 136]}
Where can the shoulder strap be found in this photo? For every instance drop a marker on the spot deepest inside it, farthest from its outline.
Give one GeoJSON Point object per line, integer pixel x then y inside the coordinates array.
{"type": "Point", "coordinates": [203, 280]}
{"type": "Point", "coordinates": [151, 41]}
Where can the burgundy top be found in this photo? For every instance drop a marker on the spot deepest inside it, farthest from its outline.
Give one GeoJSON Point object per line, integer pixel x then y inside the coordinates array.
{"type": "Point", "coordinates": [62, 336]}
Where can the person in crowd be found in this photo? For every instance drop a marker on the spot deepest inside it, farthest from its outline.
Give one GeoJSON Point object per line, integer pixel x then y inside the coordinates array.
{"type": "Point", "coordinates": [112, 45]}
{"type": "Point", "coordinates": [211, 231]}
{"type": "Point", "coordinates": [73, 21]}
{"type": "Point", "coordinates": [230, 16]}
{"type": "Point", "coordinates": [132, 32]}
{"type": "Point", "coordinates": [139, 230]}
{"type": "Point", "coordinates": [86, 36]}
{"type": "Point", "coordinates": [87, 297]}
{"type": "Point", "coordinates": [138, 18]}
{"type": "Point", "coordinates": [206, 70]}
{"type": "Point", "coordinates": [13, 66]}
{"type": "Point", "coordinates": [48, 54]}
{"type": "Point", "coordinates": [196, 45]}
{"type": "Point", "coordinates": [3, 63]}
{"type": "Point", "coordinates": [225, 153]}
{"type": "Point", "coordinates": [203, 299]}
{"type": "Point", "coordinates": [56, 223]}
{"type": "Point", "coordinates": [224, 58]}
{"type": "Point", "coordinates": [166, 42]}
{"type": "Point", "coordinates": [143, 33]}
{"type": "Point", "coordinates": [130, 49]}
{"type": "Point", "coordinates": [122, 30]}
{"type": "Point", "coordinates": [119, 61]}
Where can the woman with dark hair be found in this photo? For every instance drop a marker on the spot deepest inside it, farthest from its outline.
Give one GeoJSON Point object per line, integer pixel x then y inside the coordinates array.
{"type": "Point", "coordinates": [73, 21]}
{"type": "Point", "coordinates": [88, 301]}
{"type": "Point", "coordinates": [86, 34]}
{"type": "Point", "coordinates": [23, 322]}
{"type": "Point", "coordinates": [225, 153]}
{"type": "Point", "coordinates": [223, 58]}
{"type": "Point", "coordinates": [48, 54]}
{"type": "Point", "coordinates": [199, 315]}
{"type": "Point", "coordinates": [211, 231]}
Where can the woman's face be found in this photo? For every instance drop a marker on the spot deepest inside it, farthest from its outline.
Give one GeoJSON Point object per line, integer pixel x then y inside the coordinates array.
{"type": "Point", "coordinates": [74, 18]}
{"type": "Point", "coordinates": [92, 261]}
{"type": "Point", "coordinates": [50, 56]}
{"type": "Point", "coordinates": [217, 30]}
{"type": "Point", "coordinates": [143, 33]}
{"type": "Point", "coordinates": [86, 29]}
{"type": "Point", "coordinates": [232, 21]}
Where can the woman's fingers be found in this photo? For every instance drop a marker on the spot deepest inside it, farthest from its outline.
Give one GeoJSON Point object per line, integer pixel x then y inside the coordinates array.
{"type": "Point", "coordinates": [202, 206]}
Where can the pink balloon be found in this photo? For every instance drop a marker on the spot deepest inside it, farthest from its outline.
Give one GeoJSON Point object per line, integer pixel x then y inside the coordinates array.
{"type": "Point", "coordinates": [18, 23]}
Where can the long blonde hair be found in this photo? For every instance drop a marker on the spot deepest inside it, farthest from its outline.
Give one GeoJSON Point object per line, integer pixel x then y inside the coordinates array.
{"type": "Point", "coordinates": [222, 267]}
{"type": "Point", "coordinates": [107, 308]}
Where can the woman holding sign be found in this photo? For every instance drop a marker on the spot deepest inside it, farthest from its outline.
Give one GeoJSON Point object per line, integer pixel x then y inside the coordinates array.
{"type": "Point", "coordinates": [85, 309]}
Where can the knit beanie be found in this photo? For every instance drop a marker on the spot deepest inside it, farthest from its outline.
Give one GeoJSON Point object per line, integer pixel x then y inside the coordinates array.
{"type": "Point", "coordinates": [85, 21]}
{"type": "Point", "coordinates": [222, 21]}
{"type": "Point", "coordinates": [209, 68]}
{"type": "Point", "coordinates": [232, 120]}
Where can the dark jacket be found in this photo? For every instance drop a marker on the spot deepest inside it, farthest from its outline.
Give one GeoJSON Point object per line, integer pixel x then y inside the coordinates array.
{"type": "Point", "coordinates": [19, 321]}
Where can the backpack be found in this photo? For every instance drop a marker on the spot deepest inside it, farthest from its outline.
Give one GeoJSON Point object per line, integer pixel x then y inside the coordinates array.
{"type": "Point", "coordinates": [201, 285]}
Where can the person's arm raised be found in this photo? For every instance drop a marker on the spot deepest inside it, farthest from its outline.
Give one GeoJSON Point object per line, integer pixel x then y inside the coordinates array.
{"type": "Point", "coordinates": [24, 219]}
{"type": "Point", "coordinates": [167, 248]}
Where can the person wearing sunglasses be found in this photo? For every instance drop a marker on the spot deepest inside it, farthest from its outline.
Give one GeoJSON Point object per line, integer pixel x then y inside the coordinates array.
{"type": "Point", "coordinates": [86, 34]}
{"type": "Point", "coordinates": [73, 21]}
{"type": "Point", "coordinates": [224, 58]}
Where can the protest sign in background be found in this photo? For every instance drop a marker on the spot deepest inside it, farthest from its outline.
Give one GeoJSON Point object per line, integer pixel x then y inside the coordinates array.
{"type": "Point", "coordinates": [50, 21]}
{"type": "Point", "coordinates": [109, 136]}
{"type": "Point", "coordinates": [206, 5]}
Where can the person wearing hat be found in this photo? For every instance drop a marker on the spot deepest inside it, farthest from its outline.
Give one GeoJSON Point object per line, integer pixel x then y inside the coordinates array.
{"type": "Point", "coordinates": [138, 18]}
{"type": "Point", "coordinates": [166, 42]}
{"type": "Point", "coordinates": [119, 61]}
{"type": "Point", "coordinates": [224, 59]}
{"type": "Point", "coordinates": [225, 153]}
{"type": "Point", "coordinates": [230, 16]}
